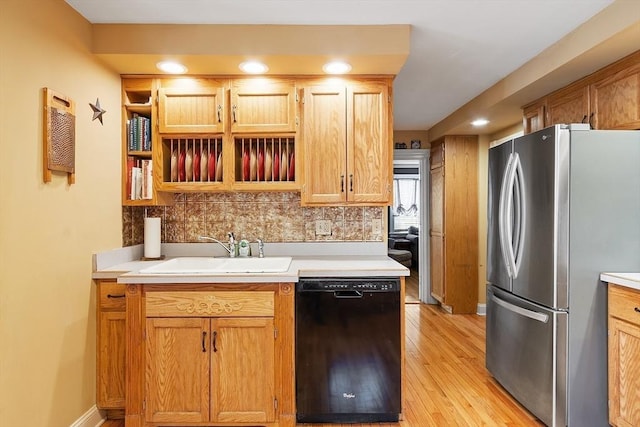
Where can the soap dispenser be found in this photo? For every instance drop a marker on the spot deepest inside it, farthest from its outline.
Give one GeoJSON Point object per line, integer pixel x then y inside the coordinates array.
{"type": "Point", "coordinates": [244, 248]}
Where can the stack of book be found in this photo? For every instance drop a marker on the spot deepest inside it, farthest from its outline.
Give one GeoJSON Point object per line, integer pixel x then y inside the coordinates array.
{"type": "Point", "coordinates": [139, 179]}
{"type": "Point", "coordinates": [139, 133]}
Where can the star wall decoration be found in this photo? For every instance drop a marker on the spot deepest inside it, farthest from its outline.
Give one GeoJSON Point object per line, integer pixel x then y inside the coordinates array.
{"type": "Point", "coordinates": [97, 111]}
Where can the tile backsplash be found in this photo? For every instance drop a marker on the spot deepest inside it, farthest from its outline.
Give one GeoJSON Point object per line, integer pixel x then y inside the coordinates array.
{"type": "Point", "coordinates": [273, 217]}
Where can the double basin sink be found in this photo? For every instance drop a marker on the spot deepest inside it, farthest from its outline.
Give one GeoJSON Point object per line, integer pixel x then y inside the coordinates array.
{"type": "Point", "coordinates": [210, 265]}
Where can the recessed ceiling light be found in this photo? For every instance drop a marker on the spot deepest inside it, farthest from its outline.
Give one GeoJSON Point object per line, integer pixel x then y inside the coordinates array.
{"type": "Point", "coordinates": [253, 67]}
{"type": "Point", "coordinates": [480, 122]}
{"type": "Point", "coordinates": [336, 67]}
{"type": "Point", "coordinates": [171, 67]}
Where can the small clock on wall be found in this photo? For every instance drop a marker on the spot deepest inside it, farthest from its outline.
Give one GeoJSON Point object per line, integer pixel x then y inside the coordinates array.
{"type": "Point", "coordinates": [415, 143]}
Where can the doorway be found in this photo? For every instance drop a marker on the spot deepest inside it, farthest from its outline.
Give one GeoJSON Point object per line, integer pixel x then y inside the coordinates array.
{"type": "Point", "coordinates": [408, 219]}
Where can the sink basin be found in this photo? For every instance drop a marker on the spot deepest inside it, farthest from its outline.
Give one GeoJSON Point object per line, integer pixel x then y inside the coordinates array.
{"type": "Point", "coordinates": [209, 265]}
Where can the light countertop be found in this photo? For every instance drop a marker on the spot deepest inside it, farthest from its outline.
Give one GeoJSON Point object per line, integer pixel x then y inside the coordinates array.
{"type": "Point", "coordinates": [126, 268]}
{"type": "Point", "coordinates": [630, 280]}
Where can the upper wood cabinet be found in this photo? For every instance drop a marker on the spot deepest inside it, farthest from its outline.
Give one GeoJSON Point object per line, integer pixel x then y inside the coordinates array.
{"type": "Point", "coordinates": [347, 144]}
{"type": "Point", "coordinates": [263, 105]}
{"type": "Point", "coordinates": [191, 106]}
{"type": "Point", "coordinates": [606, 99]}
{"type": "Point", "coordinates": [569, 106]}
{"type": "Point", "coordinates": [139, 142]}
{"type": "Point", "coordinates": [533, 116]}
{"type": "Point", "coordinates": [615, 100]}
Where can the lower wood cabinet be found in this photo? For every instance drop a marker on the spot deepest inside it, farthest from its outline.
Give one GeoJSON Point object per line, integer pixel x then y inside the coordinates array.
{"type": "Point", "coordinates": [210, 354]}
{"type": "Point", "coordinates": [624, 356]}
{"type": "Point", "coordinates": [210, 369]}
{"type": "Point", "coordinates": [110, 361]}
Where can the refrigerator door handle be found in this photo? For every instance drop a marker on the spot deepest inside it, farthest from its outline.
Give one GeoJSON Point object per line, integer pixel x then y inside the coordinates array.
{"type": "Point", "coordinates": [506, 241]}
{"type": "Point", "coordinates": [521, 216]}
{"type": "Point", "coordinates": [503, 233]}
{"type": "Point", "coordinates": [540, 317]}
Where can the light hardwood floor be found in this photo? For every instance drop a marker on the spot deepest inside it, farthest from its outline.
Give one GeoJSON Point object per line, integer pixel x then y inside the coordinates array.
{"type": "Point", "coordinates": [447, 383]}
{"type": "Point", "coordinates": [411, 287]}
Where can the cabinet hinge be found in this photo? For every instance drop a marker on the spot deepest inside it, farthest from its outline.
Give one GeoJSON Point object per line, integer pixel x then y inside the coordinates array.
{"type": "Point", "coordinates": [275, 333]}
{"type": "Point", "coordinates": [297, 121]}
{"type": "Point", "coordinates": [297, 97]}
{"type": "Point", "coordinates": [389, 99]}
{"type": "Point", "coordinates": [144, 404]}
{"type": "Point", "coordinates": [275, 403]}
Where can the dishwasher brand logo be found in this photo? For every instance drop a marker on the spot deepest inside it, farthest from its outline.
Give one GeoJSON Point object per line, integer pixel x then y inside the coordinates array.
{"type": "Point", "coordinates": [348, 395]}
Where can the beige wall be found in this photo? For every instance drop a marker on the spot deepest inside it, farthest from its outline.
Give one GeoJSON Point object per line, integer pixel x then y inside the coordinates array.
{"type": "Point", "coordinates": [49, 231]}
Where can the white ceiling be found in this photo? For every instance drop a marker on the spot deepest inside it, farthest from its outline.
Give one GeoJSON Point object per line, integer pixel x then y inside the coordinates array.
{"type": "Point", "coordinates": [459, 48]}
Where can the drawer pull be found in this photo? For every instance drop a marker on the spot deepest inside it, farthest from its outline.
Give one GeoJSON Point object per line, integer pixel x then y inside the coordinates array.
{"type": "Point", "coordinates": [115, 296]}
{"type": "Point", "coordinates": [215, 337]}
{"type": "Point", "coordinates": [636, 309]}
{"type": "Point", "coordinates": [204, 340]}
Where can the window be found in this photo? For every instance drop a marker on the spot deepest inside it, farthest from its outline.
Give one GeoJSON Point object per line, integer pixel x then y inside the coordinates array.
{"type": "Point", "coordinates": [406, 203]}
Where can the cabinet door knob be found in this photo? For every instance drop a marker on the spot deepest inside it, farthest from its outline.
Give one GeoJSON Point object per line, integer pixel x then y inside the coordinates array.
{"type": "Point", "coordinates": [636, 309]}
{"type": "Point", "coordinates": [219, 113]}
{"type": "Point", "coordinates": [204, 340]}
{"type": "Point", "coordinates": [351, 182]}
{"type": "Point", "coordinates": [234, 109]}
{"type": "Point", "coordinates": [115, 296]}
{"type": "Point", "coordinates": [342, 183]}
{"type": "Point", "coordinates": [215, 338]}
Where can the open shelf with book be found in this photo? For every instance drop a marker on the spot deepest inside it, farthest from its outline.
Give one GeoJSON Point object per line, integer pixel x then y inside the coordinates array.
{"type": "Point", "coordinates": [138, 134]}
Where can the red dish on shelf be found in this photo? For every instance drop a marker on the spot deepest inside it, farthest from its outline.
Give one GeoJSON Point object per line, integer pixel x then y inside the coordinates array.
{"type": "Point", "coordinates": [212, 166]}
{"type": "Point", "coordinates": [260, 165]}
{"type": "Point", "coordinates": [181, 171]}
{"type": "Point", "coordinates": [196, 165]}
{"type": "Point", "coordinates": [246, 171]}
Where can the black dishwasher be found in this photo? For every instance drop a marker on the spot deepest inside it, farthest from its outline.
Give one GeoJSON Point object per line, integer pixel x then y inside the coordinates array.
{"type": "Point", "coordinates": [348, 350]}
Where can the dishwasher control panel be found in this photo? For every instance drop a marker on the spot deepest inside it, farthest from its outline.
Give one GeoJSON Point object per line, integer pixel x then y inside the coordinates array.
{"type": "Point", "coordinates": [351, 284]}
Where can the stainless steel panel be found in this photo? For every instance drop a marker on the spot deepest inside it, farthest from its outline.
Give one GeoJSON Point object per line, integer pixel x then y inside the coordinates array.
{"type": "Point", "coordinates": [540, 156]}
{"type": "Point", "coordinates": [526, 353]}
{"type": "Point", "coordinates": [496, 268]}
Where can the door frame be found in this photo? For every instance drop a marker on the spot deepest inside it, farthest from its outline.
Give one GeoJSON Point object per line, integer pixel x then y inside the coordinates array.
{"type": "Point", "coordinates": [424, 268]}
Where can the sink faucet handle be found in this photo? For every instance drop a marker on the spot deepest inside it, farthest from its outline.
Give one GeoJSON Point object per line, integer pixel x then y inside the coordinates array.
{"type": "Point", "coordinates": [260, 248]}
{"type": "Point", "coordinates": [233, 246]}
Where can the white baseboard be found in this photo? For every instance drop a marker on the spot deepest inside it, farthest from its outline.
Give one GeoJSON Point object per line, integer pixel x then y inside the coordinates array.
{"type": "Point", "coordinates": [91, 418]}
{"type": "Point", "coordinates": [482, 309]}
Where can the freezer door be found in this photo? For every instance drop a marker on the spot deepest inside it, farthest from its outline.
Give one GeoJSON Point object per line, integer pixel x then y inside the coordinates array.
{"type": "Point", "coordinates": [544, 177]}
{"type": "Point", "coordinates": [497, 274]}
{"type": "Point", "coordinates": [527, 354]}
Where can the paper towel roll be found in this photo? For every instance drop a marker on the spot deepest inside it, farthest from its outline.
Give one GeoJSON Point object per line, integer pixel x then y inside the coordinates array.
{"type": "Point", "coordinates": [152, 237]}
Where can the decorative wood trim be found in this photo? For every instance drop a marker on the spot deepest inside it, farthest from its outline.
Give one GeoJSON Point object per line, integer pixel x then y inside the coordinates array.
{"type": "Point", "coordinates": [91, 418]}
{"type": "Point", "coordinates": [199, 304]}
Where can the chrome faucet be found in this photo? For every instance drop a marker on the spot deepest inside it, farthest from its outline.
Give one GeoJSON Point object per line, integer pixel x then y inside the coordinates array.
{"type": "Point", "coordinates": [230, 248]}
{"type": "Point", "coordinates": [260, 248]}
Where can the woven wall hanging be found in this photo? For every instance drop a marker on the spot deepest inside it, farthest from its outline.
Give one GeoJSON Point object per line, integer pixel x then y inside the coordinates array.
{"type": "Point", "coordinates": [59, 125]}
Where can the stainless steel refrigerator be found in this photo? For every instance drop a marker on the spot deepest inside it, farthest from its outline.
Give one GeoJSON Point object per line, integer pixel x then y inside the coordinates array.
{"type": "Point", "coordinates": [563, 206]}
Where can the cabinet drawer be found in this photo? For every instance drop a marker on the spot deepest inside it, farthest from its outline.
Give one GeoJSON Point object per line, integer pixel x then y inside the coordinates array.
{"type": "Point", "coordinates": [624, 304]}
{"type": "Point", "coordinates": [210, 304]}
{"type": "Point", "coordinates": [112, 296]}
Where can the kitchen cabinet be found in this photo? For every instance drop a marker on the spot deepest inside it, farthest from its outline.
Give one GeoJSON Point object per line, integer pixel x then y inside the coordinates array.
{"type": "Point", "coordinates": [615, 99]}
{"type": "Point", "coordinates": [211, 353]}
{"type": "Point", "coordinates": [569, 106]}
{"type": "Point", "coordinates": [347, 144]}
{"type": "Point", "coordinates": [534, 116]}
{"type": "Point", "coordinates": [624, 356]}
{"type": "Point", "coordinates": [187, 106]}
{"type": "Point", "coordinates": [263, 105]}
{"type": "Point", "coordinates": [453, 208]}
{"type": "Point", "coordinates": [139, 137]}
{"type": "Point", "coordinates": [606, 99]}
{"type": "Point", "coordinates": [110, 348]}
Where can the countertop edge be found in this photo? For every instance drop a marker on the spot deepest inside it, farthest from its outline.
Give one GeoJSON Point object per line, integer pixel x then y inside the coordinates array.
{"type": "Point", "coordinates": [629, 280]}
